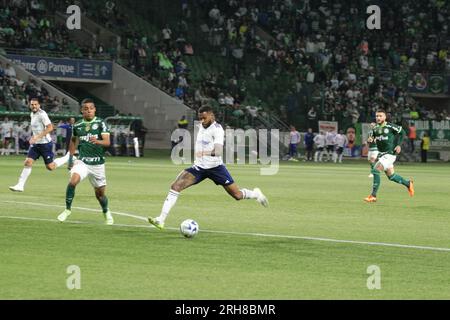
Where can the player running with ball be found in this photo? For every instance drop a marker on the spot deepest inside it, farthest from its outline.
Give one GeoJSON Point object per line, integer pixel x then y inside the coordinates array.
{"type": "Point", "coordinates": [388, 138]}
{"type": "Point", "coordinates": [208, 164]}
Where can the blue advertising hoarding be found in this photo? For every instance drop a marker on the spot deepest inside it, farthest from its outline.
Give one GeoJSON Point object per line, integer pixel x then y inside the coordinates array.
{"type": "Point", "coordinates": [64, 69]}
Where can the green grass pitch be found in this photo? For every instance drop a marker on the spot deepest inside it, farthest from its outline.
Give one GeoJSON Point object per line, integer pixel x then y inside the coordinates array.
{"type": "Point", "coordinates": [243, 250]}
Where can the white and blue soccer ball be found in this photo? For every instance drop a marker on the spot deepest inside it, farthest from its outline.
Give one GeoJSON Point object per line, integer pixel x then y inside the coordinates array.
{"type": "Point", "coordinates": [189, 228]}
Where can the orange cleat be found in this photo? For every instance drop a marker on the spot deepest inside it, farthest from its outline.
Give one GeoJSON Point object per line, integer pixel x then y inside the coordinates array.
{"type": "Point", "coordinates": [370, 198]}
{"type": "Point", "coordinates": [411, 188]}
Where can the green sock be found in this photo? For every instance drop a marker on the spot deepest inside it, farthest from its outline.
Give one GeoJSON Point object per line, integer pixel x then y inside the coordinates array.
{"type": "Point", "coordinates": [70, 194]}
{"type": "Point", "coordinates": [376, 181]}
{"type": "Point", "coordinates": [372, 165]}
{"type": "Point", "coordinates": [399, 179]}
{"type": "Point", "coordinates": [104, 203]}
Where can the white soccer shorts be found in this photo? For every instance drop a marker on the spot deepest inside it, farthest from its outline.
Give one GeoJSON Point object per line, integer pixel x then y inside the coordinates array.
{"type": "Point", "coordinates": [372, 154]}
{"type": "Point", "coordinates": [96, 173]}
{"type": "Point", "coordinates": [387, 161]}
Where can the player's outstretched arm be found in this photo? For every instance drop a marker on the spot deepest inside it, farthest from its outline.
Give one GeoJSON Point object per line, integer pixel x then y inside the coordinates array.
{"type": "Point", "coordinates": [217, 152]}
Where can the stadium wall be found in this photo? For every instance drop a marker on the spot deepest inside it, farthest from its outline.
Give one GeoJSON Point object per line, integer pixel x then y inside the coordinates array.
{"type": "Point", "coordinates": [131, 94]}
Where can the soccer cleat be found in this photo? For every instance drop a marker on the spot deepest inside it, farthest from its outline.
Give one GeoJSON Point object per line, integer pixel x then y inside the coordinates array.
{"type": "Point", "coordinates": [370, 198]}
{"type": "Point", "coordinates": [108, 218]}
{"type": "Point", "coordinates": [370, 175]}
{"type": "Point", "coordinates": [156, 223]}
{"type": "Point", "coordinates": [16, 188]}
{"type": "Point", "coordinates": [64, 215]}
{"type": "Point", "coordinates": [411, 188]}
{"type": "Point", "coordinates": [261, 198]}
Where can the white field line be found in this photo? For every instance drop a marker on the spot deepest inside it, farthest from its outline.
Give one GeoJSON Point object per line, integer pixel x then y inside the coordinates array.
{"type": "Point", "coordinates": [369, 243]}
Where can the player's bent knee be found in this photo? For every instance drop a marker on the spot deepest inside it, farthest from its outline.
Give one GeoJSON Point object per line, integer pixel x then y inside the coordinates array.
{"type": "Point", "coordinates": [74, 180]}
{"type": "Point", "coordinates": [176, 187]}
{"type": "Point", "coordinates": [100, 193]}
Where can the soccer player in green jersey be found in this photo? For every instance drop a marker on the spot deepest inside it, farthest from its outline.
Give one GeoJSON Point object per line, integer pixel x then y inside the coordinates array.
{"type": "Point", "coordinates": [388, 138]}
{"type": "Point", "coordinates": [91, 135]}
{"type": "Point", "coordinates": [372, 155]}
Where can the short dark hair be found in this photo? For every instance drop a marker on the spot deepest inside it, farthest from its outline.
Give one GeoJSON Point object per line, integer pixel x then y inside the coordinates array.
{"type": "Point", "coordinates": [35, 99]}
{"type": "Point", "coordinates": [87, 100]}
{"type": "Point", "coordinates": [205, 109]}
{"type": "Point", "coordinates": [381, 111]}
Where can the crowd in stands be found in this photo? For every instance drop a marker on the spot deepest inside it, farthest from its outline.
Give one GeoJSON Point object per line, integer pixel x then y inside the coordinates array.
{"type": "Point", "coordinates": [325, 48]}
{"type": "Point", "coordinates": [15, 93]}
{"type": "Point", "coordinates": [30, 25]}
{"type": "Point", "coordinates": [322, 48]}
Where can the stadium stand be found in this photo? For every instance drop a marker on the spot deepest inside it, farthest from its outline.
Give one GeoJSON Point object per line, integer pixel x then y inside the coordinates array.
{"type": "Point", "coordinates": [282, 57]}
{"type": "Point", "coordinates": [258, 63]}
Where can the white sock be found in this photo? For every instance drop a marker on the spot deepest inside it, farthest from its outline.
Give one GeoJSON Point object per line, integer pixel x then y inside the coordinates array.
{"type": "Point", "coordinates": [60, 161]}
{"type": "Point", "coordinates": [24, 176]}
{"type": "Point", "coordinates": [248, 194]}
{"type": "Point", "coordinates": [340, 158]}
{"type": "Point", "coordinates": [171, 199]}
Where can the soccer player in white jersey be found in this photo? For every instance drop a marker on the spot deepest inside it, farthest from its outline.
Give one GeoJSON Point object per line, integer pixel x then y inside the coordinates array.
{"type": "Point", "coordinates": [40, 145]}
{"type": "Point", "coordinates": [6, 129]}
{"type": "Point", "coordinates": [319, 140]}
{"type": "Point", "coordinates": [329, 138]}
{"type": "Point", "coordinates": [294, 140]}
{"type": "Point", "coordinates": [340, 141]}
{"type": "Point", "coordinates": [208, 164]}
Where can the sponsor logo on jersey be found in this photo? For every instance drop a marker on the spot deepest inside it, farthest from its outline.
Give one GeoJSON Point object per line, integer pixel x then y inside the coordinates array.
{"type": "Point", "coordinates": [381, 138]}
{"type": "Point", "coordinates": [88, 137]}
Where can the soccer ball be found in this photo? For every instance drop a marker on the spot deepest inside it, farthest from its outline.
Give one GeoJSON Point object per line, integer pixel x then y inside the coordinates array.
{"type": "Point", "coordinates": [189, 228]}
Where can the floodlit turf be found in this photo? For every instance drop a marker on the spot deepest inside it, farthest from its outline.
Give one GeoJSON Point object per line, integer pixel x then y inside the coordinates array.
{"type": "Point", "coordinates": [133, 261]}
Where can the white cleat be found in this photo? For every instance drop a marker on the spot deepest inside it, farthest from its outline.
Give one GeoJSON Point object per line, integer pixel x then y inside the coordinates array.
{"type": "Point", "coordinates": [370, 175]}
{"type": "Point", "coordinates": [16, 188]}
{"type": "Point", "coordinates": [64, 215]}
{"type": "Point", "coordinates": [109, 220]}
{"type": "Point", "coordinates": [261, 198]}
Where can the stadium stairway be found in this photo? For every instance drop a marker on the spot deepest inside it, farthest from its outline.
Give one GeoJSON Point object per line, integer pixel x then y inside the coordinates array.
{"type": "Point", "coordinates": [131, 94]}
{"type": "Point", "coordinates": [104, 109]}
